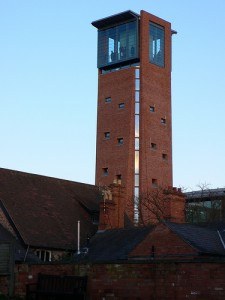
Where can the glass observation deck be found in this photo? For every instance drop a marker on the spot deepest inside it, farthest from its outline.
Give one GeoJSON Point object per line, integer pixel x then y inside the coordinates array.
{"type": "Point", "coordinates": [118, 41]}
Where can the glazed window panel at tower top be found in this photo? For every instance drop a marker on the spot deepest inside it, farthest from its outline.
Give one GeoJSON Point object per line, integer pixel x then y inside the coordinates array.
{"type": "Point", "coordinates": [118, 44]}
{"type": "Point", "coordinates": [157, 44]}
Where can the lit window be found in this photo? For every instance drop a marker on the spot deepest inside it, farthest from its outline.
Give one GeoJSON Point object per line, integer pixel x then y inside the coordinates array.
{"type": "Point", "coordinates": [108, 100]}
{"type": "Point", "coordinates": [136, 125]}
{"type": "Point", "coordinates": [136, 162]}
{"type": "Point", "coordinates": [156, 45]}
{"type": "Point", "coordinates": [137, 108]}
{"type": "Point", "coordinates": [154, 182]}
{"type": "Point", "coordinates": [153, 146]}
{"type": "Point", "coordinates": [137, 84]}
{"type": "Point", "coordinates": [137, 96]}
{"type": "Point", "coordinates": [136, 192]}
{"type": "Point", "coordinates": [152, 108]}
{"type": "Point", "coordinates": [107, 135]}
{"type": "Point", "coordinates": [137, 73]}
{"type": "Point", "coordinates": [105, 171]}
{"type": "Point", "coordinates": [120, 141]}
{"type": "Point", "coordinates": [136, 180]}
{"type": "Point", "coordinates": [121, 105]}
{"type": "Point", "coordinates": [164, 156]}
{"type": "Point", "coordinates": [163, 121]}
{"type": "Point", "coordinates": [44, 255]}
{"type": "Point", "coordinates": [136, 143]}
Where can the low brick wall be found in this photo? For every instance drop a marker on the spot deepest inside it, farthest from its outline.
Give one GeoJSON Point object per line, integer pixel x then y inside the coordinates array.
{"type": "Point", "coordinates": [137, 280]}
{"type": "Point", "coordinates": [165, 280]}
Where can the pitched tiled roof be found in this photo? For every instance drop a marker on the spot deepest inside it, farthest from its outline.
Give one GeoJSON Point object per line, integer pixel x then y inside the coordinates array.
{"type": "Point", "coordinates": [115, 244]}
{"type": "Point", "coordinates": [45, 210]}
{"type": "Point", "coordinates": [20, 252]}
{"type": "Point", "coordinates": [205, 239]}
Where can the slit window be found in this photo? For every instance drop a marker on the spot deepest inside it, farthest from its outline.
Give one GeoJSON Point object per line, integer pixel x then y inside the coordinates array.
{"type": "Point", "coordinates": [137, 96]}
{"type": "Point", "coordinates": [154, 182]}
{"type": "Point", "coordinates": [152, 108]}
{"type": "Point", "coordinates": [164, 156]}
{"type": "Point", "coordinates": [136, 143]}
{"type": "Point", "coordinates": [153, 146]}
{"type": "Point", "coordinates": [107, 135]}
{"type": "Point", "coordinates": [105, 171]}
{"type": "Point", "coordinates": [108, 100]}
{"type": "Point", "coordinates": [121, 105]}
{"type": "Point", "coordinates": [120, 141]}
{"type": "Point", "coordinates": [137, 73]}
{"type": "Point", "coordinates": [137, 84]}
{"type": "Point", "coordinates": [136, 180]}
{"type": "Point", "coordinates": [137, 108]}
{"type": "Point", "coordinates": [163, 120]}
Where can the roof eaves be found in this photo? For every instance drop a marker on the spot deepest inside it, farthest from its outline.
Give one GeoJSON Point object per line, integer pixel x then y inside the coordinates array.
{"type": "Point", "coordinates": [127, 15]}
{"type": "Point", "coordinates": [12, 223]}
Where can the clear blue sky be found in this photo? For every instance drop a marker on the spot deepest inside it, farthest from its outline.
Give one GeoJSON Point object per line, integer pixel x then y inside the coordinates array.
{"type": "Point", "coordinates": [48, 86]}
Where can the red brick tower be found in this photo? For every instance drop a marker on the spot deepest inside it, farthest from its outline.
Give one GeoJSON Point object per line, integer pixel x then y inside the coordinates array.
{"type": "Point", "coordinates": [134, 138]}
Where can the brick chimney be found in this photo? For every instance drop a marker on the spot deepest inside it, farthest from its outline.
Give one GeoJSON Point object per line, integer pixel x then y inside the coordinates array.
{"type": "Point", "coordinates": [112, 207]}
{"type": "Point", "coordinates": [162, 204]}
{"type": "Point", "coordinates": [176, 205]}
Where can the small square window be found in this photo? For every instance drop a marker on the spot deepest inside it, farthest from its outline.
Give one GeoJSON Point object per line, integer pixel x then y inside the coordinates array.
{"type": "Point", "coordinates": [163, 120]}
{"type": "Point", "coordinates": [107, 135]}
{"type": "Point", "coordinates": [120, 141]}
{"type": "Point", "coordinates": [121, 105]}
{"type": "Point", "coordinates": [164, 156]}
{"type": "Point", "coordinates": [154, 182]}
{"type": "Point", "coordinates": [152, 108]}
{"type": "Point", "coordinates": [153, 146]}
{"type": "Point", "coordinates": [108, 100]}
{"type": "Point", "coordinates": [105, 171]}
{"type": "Point", "coordinates": [119, 177]}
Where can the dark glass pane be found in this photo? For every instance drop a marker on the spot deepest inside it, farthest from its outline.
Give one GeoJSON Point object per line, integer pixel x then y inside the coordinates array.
{"type": "Point", "coordinates": [156, 45]}
{"type": "Point", "coordinates": [117, 44]}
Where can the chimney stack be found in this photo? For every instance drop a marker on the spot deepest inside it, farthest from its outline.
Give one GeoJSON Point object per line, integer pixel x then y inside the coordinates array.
{"type": "Point", "coordinates": [112, 206]}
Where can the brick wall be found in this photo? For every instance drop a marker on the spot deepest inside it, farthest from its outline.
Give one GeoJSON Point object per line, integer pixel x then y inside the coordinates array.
{"type": "Point", "coordinates": [155, 91]}
{"type": "Point", "coordinates": [159, 280]}
{"type": "Point", "coordinates": [119, 159]}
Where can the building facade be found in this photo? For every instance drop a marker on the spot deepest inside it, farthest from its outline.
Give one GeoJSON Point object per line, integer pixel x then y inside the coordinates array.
{"type": "Point", "coordinates": [134, 135]}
